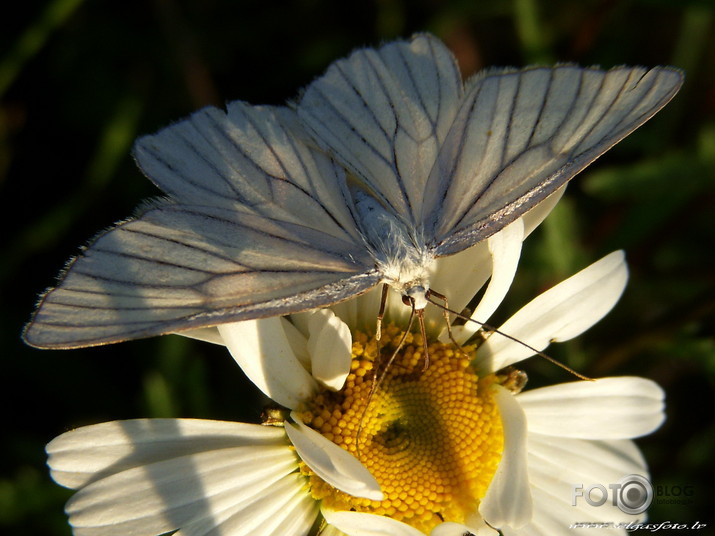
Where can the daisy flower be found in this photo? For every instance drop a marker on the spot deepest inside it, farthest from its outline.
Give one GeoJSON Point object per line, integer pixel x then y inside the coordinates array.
{"type": "Point", "coordinates": [451, 448]}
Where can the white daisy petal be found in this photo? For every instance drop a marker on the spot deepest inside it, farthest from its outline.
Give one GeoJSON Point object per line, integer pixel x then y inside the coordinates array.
{"type": "Point", "coordinates": [554, 516]}
{"type": "Point", "coordinates": [560, 313]}
{"type": "Point", "coordinates": [285, 504]}
{"type": "Point", "coordinates": [93, 452]}
{"type": "Point", "coordinates": [209, 334]}
{"type": "Point", "coordinates": [457, 529]}
{"type": "Point", "coordinates": [261, 349]}
{"type": "Point", "coordinates": [297, 517]}
{"type": "Point", "coordinates": [330, 346]}
{"type": "Point", "coordinates": [609, 408]}
{"type": "Point", "coordinates": [336, 466]}
{"type": "Point", "coordinates": [166, 495]}
{"type": "Point", "coordinates": [362, 524]}
{"type": "Point", "coordinates": [459, 277]}
{"type": "Point", "coordinates": [564, 468]}
{"type": "Point", "coordinates": [508, 499]}
{"type": "Point", "coordinates": [360, 313]}
{"type": "Point", "coordinates": [563, 481]}
{"type": "Point", "coordinates": [329, 530]}
{"type": "Point", "coordinates": [536, 215]}
{"type": "Point", "coordinates": [554, 497]}
{"type": "Point", "coordinates": [298, 343]}
{"type": "Point", "coordinates": [505, 250]}
{"type": "Point", "coordinates": [576, 460]}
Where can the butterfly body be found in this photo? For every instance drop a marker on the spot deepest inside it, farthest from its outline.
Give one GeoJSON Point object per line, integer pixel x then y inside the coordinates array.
{"type": "Point", "coordinates": [400, 253]}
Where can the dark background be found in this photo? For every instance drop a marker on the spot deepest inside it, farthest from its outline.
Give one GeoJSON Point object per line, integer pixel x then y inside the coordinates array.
{"type": "Point", "coordinates": [80, 80]}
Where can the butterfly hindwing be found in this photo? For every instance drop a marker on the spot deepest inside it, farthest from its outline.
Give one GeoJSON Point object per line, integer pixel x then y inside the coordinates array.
{"type": "Point", "coordinates": [269, 235]}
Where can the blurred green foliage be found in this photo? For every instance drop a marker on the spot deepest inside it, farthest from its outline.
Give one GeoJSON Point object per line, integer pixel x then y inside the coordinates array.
{"type": "Point", "coordinates": [80, 80]}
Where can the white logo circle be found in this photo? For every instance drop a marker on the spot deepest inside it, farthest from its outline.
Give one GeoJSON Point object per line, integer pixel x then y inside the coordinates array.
{"type": "Point", "coordinates": [634, 494]}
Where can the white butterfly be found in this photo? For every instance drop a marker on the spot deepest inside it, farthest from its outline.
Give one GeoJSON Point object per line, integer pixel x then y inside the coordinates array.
{"type": "Point", "coordinates": [260, 222]}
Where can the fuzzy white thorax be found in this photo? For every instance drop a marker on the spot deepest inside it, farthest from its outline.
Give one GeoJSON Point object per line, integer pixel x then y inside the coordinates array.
{"type": "Point", "coordinates": [400, 254]}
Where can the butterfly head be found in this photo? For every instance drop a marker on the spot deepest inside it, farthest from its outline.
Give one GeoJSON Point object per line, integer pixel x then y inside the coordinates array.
{"type": "Point", "coordinates": [416, 296]}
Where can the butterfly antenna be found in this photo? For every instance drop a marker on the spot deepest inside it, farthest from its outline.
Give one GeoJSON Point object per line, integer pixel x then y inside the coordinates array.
{"type": "Point", "coordinates": [492, 329]}
{"type": "Point", "coordinates": [381, 312]}
{"type": "Point", "coordinates": [377, 379]}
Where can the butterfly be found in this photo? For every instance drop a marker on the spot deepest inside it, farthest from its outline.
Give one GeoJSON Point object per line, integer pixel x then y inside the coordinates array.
{"type": "Point", "coordinates": [383, 164]}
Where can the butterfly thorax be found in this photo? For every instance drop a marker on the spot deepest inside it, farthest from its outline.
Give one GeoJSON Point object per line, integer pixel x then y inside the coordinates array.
{"type": "Point", "coordinates": [400, 253]}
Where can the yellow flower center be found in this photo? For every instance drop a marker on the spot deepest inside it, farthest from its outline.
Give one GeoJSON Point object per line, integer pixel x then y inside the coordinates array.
{"type": "Point", "coordinates": [432, 437]}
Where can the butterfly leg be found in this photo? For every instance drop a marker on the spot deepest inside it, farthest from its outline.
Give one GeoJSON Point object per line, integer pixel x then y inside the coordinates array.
{"type": "Point", "coordinates": [423, 331]}
{"type": "Point", "coordinates": [381, 312]}
{"type": "Point", "coordinates": [445, 312]}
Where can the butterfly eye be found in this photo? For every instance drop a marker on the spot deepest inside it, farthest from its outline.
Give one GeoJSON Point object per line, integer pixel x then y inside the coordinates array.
{"type": "Point", "coordinates": [407, 300]}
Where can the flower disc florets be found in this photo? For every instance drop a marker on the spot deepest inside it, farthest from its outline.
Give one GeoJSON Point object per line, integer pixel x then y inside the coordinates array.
{"type": "Point", "coordinates": [431, 436]}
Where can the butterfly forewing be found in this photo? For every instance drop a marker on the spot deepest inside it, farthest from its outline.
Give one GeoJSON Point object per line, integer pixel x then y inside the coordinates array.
{"type": "Point", "coordinates": [249, 156]}
{"type": "Point", "coordinates": [384, 113]}
{"type": "Point", "coordinates": [280, 242]}
{"type": "Point", "coordinates": [520, 135]}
